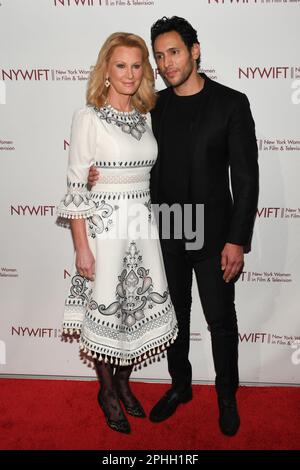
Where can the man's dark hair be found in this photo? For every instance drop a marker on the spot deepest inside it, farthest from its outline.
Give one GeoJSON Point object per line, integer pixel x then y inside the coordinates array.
{"type": "Point", "coordinates": [181, 26]}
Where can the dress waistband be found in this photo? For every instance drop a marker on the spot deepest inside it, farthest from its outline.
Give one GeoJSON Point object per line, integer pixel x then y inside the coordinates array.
{"type": "Point", "coordinates": [121, 187]}
{"type": "Point", "coordinates": [123, 179]}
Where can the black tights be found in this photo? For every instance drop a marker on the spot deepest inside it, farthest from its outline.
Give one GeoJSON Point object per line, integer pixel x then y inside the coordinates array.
{"type": "Point", "coordinates": [114, 385]}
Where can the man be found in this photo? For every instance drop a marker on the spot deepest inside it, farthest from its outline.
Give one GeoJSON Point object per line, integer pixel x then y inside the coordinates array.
{"type": "Point", "coordinates": [204, 130]}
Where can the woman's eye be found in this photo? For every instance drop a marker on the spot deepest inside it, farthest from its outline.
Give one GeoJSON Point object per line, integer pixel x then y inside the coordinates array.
{"type": "Point", "coordinates": [120, 66]}
{"type": "Point", "coordinates": [137, 66]}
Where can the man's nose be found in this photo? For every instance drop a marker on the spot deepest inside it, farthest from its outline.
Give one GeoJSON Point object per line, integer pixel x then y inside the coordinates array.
{"type": "Point", "coordinates": [168, 61]}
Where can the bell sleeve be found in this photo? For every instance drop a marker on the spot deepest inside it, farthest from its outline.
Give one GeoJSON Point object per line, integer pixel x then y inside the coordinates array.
{"type": "Point", "coordinates": [76, 203]}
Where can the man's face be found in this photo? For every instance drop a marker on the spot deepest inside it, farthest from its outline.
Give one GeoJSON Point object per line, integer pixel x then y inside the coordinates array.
{"type": "Point", "coordinates": [174, 61]}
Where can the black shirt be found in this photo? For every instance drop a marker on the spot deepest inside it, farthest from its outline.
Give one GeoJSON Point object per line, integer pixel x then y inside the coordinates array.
{"type": "Point", "coordinates": [176, 147]}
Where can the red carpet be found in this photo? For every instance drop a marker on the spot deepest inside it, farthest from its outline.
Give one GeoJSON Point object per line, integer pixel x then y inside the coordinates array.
{"type": "Point", "coordinates": [55, 414]}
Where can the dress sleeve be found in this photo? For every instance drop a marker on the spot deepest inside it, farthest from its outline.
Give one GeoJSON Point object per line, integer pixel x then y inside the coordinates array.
{"type": "Point", "coordinates": [77, 203]}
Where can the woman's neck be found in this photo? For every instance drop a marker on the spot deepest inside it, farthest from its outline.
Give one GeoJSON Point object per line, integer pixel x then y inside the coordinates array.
{"type": "Point", "coordinates": [119, 102]}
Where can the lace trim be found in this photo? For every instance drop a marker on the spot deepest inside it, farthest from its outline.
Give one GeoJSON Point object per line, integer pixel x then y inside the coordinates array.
{"type": "Point", "coordinates": [120, 179]}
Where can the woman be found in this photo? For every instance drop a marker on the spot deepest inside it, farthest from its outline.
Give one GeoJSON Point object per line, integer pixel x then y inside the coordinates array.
{"type": "Point", "coordinates": [118, 298]}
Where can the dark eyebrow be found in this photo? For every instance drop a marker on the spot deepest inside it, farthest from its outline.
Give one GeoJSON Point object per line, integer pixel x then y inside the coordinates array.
{"type": "Point", "coordinates": [170, 49]}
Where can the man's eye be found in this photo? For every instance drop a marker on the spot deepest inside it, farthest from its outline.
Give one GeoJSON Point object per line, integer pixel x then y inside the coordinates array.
{"type": "Point", "coordinates": [175, 52]}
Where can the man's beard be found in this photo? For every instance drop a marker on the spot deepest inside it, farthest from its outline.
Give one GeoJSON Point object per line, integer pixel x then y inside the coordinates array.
{"type": "Point", "coordinates": [184, 77]}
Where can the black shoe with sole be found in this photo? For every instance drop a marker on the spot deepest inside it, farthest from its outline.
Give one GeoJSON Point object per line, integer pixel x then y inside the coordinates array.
{"type": "Point", "coordinates": [229, 420]}
{"type": "Point", "coordinates": [168, 404]}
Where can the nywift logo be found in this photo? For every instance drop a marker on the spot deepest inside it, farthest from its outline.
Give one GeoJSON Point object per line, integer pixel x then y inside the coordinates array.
{"type": "Point", "coordinates": [105, 3]}
{"type": "Point", "coordinates": [39, 332]}
{"type": "Point", "coordinates": [271, 338]}
{"type": "Point", "coordinates": [269, 73]}
{"type": "Point", "coordinates": [25, 74]}
{"type": "Point", "coordinates": [255, 337]}
{"type": "Point", "coordinates": [278, 213]}
{"type": "Point", "coordinates": [78, 3]}
{"type": "Point", "coordinates": [39, 210]}
{"type": "Point", "coordinates": [76, 74]}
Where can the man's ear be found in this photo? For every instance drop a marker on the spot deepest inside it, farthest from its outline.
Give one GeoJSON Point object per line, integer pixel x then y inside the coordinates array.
{"type": "Point", "coordinates": [195, 51]}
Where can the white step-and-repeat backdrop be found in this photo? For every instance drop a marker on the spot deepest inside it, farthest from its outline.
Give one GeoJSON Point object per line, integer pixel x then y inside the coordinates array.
{"type": "Point", "coordinates": [47, 48]}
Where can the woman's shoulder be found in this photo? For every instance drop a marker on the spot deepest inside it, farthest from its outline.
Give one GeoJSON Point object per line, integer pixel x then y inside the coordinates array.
{"type": "Point", "coordinates": [85, 111]}
{"type": "Point", "coordinates": [83, 116]}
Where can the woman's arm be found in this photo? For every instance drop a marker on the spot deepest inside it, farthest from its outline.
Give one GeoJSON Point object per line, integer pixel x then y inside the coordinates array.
{"type": "Point", "coordinates": [85, 261]}
{"type": "Point", "coordinates": [77, 205]}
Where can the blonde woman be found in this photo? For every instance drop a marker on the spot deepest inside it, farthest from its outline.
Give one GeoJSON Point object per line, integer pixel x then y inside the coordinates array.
{"type": "Point", "coordinates": [118, 298]}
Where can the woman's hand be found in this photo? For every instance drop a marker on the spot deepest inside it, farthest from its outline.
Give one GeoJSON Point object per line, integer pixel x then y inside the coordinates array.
{"type": "Point", "coordinates": [85, 263]}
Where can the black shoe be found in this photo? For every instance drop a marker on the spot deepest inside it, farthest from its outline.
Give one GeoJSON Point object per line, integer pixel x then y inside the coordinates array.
{"type": "Point", "coordinates": [120, 425]}
{"type": "Point", "coordinates": [135, 409]}
{"type": "Point", "coordinates": [167, 405]}
{"type": "Point", "coordinates": [129, 400]}
{"type": "Point", "coordinates": [229, 420]}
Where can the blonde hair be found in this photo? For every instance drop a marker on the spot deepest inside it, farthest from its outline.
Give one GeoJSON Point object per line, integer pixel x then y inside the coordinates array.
{"type": "Point", "coordinates": [145, 97]}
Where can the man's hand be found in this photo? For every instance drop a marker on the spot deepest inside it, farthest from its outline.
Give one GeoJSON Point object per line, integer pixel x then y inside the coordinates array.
{"type": "Point", "coordinates": [93, 176]}
{"type": "Point", "coordinates": [232, 261]}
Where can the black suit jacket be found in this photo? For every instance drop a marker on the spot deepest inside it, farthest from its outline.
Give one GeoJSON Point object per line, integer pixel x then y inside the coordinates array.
{"type": "Point", "coordinates": [224, 168]}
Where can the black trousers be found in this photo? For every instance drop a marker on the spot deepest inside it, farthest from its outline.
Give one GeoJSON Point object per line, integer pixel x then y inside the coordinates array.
{"type": "Point", "coordinates": [217, 299]}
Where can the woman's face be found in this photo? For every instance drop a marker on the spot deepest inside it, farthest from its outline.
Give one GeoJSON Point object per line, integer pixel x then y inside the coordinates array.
{"type": "Point", "coordinates": [125, 70]}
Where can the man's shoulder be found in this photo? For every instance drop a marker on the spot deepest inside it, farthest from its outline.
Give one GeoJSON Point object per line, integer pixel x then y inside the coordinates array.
{"type": "Point", "coordinates": [225, 91]}
{"type": "Point", "coordinates": [226, 95]}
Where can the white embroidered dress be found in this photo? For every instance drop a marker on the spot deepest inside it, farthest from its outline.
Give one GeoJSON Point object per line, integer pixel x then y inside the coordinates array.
{"type": "Point", "coordinates": [125, 315]}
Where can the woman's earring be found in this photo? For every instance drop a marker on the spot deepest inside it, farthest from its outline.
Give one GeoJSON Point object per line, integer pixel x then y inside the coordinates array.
{"type": "Point", "coordinates": [107, 83]}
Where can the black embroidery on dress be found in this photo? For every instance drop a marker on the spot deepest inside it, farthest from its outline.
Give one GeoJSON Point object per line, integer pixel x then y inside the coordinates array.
{"type": "Point", "coordinates": [149, 207]}
{"type": "Point", "coordinates": [79, 288]}
{"type": "Point", "coordinates": [136, 194]}
{"type": "Point", "coordinates": [76, 198]}
{"type": "Point", "coordinates": [134, 291]}
{"type": "Point", "coordinates": [100, 222]}
{"type": "Point", "coordinates": [124, 165]}
{"type": "Point", "coordinates": [132, 123]}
